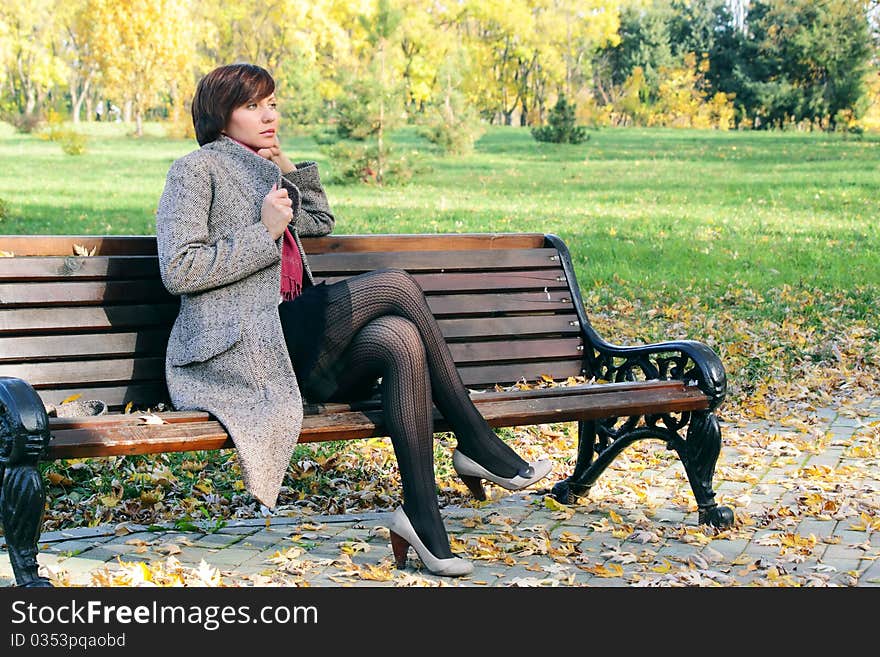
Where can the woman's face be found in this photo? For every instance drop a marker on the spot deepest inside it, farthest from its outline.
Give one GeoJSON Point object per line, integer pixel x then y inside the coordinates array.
{"type": "Point", "coordinates": [254, 123]}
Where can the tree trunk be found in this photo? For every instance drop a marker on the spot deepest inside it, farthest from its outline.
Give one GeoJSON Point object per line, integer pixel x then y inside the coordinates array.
{"type": "Point", "coordinates": [127, 110]}
{"type": "Point", "coordinates": [31, 102]}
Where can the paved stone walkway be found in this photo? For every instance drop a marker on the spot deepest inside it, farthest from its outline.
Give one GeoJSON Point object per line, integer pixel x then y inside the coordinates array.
{"type": "Point", "coordinates": [524, 539]}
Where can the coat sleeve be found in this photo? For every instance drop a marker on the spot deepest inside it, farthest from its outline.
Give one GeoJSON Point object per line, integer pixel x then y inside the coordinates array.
{"type": "Point", "coordinates": [188, 262]}
{"type": "Point", "coordinates": [314, 217]}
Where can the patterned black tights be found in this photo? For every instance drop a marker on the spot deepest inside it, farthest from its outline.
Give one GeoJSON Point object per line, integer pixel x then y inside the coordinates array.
{"type": "Point", "coordinates": [379, 325]}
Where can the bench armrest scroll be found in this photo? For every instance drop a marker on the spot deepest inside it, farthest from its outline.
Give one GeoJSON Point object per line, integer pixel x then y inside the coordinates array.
{"type": "Point", "coordinates": [686, 360]}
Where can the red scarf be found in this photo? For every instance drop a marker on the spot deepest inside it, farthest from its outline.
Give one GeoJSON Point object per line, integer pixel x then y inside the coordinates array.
{"type": "Point", "coordinates": [291, 268]}
{"type": "Point", "coordinates": [291, 260]}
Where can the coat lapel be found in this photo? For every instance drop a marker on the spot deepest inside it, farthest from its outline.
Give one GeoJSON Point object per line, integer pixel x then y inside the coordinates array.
{"type": "Point", "coordinates": [265, 171]}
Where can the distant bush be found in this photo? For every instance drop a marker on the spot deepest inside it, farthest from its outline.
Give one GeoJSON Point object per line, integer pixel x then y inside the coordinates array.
{"type": "Point", "coordinates": [360, 163]}
{"type": "Point", "coordinates": [26, 123]}
{"type": "Point", "coordinates": [325, 135]}
{"type": "Point", "coordinates": [4, 209]}
{"type": "Point", "coordinates": [455, 132]}
{"type": "Point", "coordinates": [562, 125]}
{"type": "Point", "coordinates": [72, 142]}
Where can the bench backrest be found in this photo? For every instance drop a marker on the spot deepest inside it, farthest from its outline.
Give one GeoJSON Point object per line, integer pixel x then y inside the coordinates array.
{"type": "Point", "coordinates": [98, 325]}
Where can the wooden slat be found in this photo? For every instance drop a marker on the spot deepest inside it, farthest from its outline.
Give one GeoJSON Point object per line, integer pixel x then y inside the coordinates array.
{"type": "Point", "coordinates": [42, 375]}
{"type": "Point", "coordinates": [414, 261]}
{"type": "Point", "coordinates": [474, 376]}
{"type": "Point", "coordinates": [80, 319]}
{"type": "Point", "coordinates": [485, 304]}
{"type": "Point", "coordinates": [55, 245]}
{"type": "Point", "coordinates": [57, 373]}
{"type": "Point", "coordinates": [520, 326]}
{"type": "Point", "coordinates": [422, 242]}
{"type": "Point", "coordinates": [78, 267]}
{"type": "Point", "coordinates": [143, 395]}
{"type": "Point", "coordinates": [85, 292]}
{"type": "Point", "coordinates": [89, 373]}
{"type": "Point", "coordinates": [102, 422]}
{"type": "Point", "coordinates": [203, 435]}
{"type": "Point", "coordinates": [97, 423]}
{"type": "Point", "coordinates": [34, 348]}
{"type": "Point", "coordinates": [472, 352]}
{"type": "Point", "coordinates": [552, 279]}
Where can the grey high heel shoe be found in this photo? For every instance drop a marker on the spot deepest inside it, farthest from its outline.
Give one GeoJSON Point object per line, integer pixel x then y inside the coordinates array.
{"type": "Point", "coordinates": [472, 474]}
{"type": "Point", "coordinates": [403, 535]}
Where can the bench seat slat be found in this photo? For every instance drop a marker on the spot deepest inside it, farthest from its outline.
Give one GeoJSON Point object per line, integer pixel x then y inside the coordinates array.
{"type": "Point", "coordinates": [496, 302]}
{"type": "Point", "coordinates": [35, 348]}
{"type": "Point", "coordinates": [325, 264]}
{"type": "Point", "coordinates": [83, 292]}
{"type": "Point", "coordinates": [41, 375]}
{"type": "Point", "coordinates": [93, 293]}
{"type": "Point", "coordinates": [38, 268]}
{"type": "Point", "coordinates": [473, 352]}
{"type": "Point", "coordinates": [63, 245]}
{"type": "Point", "coordinates": [482, 375]}
{"type": "Point", "coordinates": [153, 342]}
{"type": "Point", "coordinates": [47, 374]}
{"type": "Point", "coordinates": [422, 242]}
{"type": "Point", "coordinates": [40, 245]}
{"type": "Point", "coordinates": [59, 320]}
{"type": "Point", "coordinates": [482, 281]}
{"type": "Point", "coordinates": [142, 395]}
{"type": "Point", "coordinates": [150, 438]}
{"type": "Point", "coordinates": [480, 397]}
{"type": "Point", "coordinates": [149, 392]}
{"type": "Point", "coordinates": [521, 326]}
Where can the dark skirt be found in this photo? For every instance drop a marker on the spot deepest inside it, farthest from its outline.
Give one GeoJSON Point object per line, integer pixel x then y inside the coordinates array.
{"type": "Point", "coordinates": [317, 366]}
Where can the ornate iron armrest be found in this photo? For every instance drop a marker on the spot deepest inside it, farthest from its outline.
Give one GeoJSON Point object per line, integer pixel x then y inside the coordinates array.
{"type": "Point", "coordinates": [685, 360]}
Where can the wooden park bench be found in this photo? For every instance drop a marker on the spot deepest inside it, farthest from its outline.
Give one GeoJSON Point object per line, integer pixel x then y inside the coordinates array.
{"type": "Point", "coordinates": [508, 304]}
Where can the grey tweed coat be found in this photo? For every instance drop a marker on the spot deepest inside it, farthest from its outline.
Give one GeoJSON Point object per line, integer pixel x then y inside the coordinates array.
{"type": "Point", "coordinates": [226, 352]}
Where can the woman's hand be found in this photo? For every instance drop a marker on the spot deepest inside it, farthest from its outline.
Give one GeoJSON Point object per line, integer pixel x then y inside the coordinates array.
{"type": "Point", "coordinates": [277, 211]}
{"type": "Point", "coordinates": [275, 154]}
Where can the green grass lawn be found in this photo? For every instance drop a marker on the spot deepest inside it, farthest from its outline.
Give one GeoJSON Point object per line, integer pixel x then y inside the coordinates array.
{"type": "Point", "coordinates": [644, 207]}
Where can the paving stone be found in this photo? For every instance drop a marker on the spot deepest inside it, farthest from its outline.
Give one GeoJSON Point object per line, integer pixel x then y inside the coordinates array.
{"type": "Point", "coordinates": [218, 540]}
{"type": "Point", "coordinates": [730, 549]}
{"type": "Point", "coordinates": [606, 582]}
{"type": "Point", "coordinates": [842, 564]}
{"type": "Point", "coordinates": [829, 457]}
{"type": "Point", "coordinates": [68, 548]}
{"type": "Point", "coordinates": [850, 536]}
{"type": "Point", "coordinates": [841, 551]}
{"type": "Point", "coordinates": [818, 528]}
{"type": "Point", "coordinates": [238, 531]}
{"type": "Point", "coordinates": [871, 576]}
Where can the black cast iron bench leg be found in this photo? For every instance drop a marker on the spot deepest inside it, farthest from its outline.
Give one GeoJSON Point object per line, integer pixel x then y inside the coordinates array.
{"type": "Point", "coordinates": [600, 442]}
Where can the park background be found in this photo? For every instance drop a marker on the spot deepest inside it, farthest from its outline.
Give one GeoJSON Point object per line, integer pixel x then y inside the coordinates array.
{"type": "Point", "coordinates": [713, 167]}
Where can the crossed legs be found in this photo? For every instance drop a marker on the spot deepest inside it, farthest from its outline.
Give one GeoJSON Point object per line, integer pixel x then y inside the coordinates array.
{"type": "Point", "coordinates": [379, 324]}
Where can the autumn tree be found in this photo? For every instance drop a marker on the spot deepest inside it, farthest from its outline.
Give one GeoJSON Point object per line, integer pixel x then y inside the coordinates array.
{"type": "Point", "coordinates": [143, 47]}
{"type": "Point", "coordinates": [76, 28]}
{"type": "Point", "coordinates": [32, 67]}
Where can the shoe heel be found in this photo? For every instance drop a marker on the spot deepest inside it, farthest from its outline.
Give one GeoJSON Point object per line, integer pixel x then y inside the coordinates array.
{"type": "Point", "coordinates": [399, 546]}
{"type": "Point", "coordinates": [475, 484]}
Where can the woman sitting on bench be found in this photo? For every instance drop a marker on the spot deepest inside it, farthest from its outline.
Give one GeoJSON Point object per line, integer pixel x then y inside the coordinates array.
{"type": "Point", "coordinates": [228, 228]}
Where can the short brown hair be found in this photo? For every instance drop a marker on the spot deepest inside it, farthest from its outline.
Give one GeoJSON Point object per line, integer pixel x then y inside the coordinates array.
{"type": "Point", "coordinates": [223, 90]}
